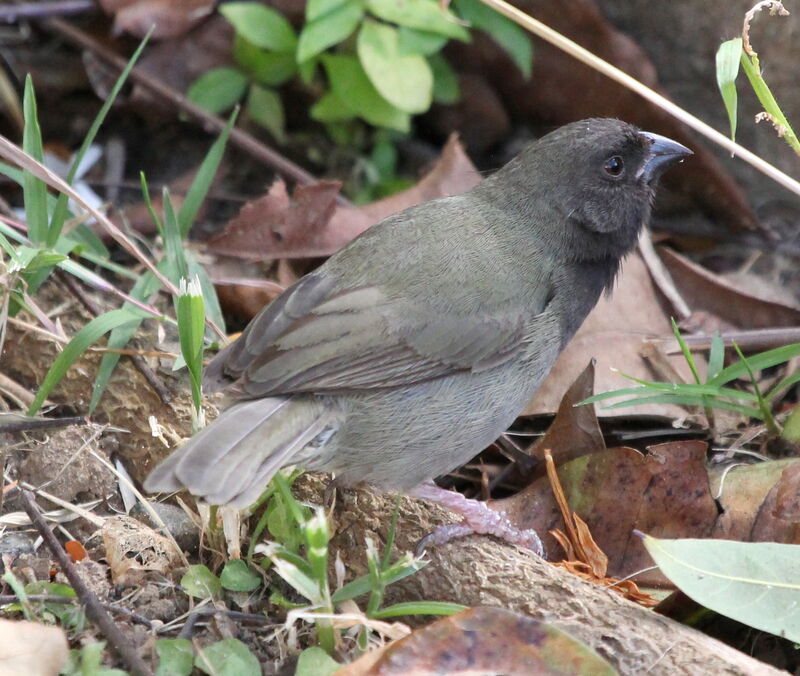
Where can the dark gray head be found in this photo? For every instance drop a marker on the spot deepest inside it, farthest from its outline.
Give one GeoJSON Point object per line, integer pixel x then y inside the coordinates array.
{"type": "Point", "coordinates": [598, 179]}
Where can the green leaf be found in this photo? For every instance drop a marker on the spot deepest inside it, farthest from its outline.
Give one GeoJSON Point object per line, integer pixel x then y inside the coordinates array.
{"type": "Point", "coordinates": [317, 8]}
{"type": "Point", "coordinates": [269, 68]}
{"type": "Point", "coordinates": [351, 85]}
{"type": "Point", "coordinates": [201, 183]}
{"type": "Point", "coordinates": [175, 267]}
{"type": "Point", "coordinates": [265, 107]}
{"type": "Point", "coordinates": [330, 108]}
{"type": "Point", "coordinates": [198, 581]}
{"type": "Point", "coordinates": [728, 57]}
{"type": "Point", "coordinates": [752, 582]}
{"type": "Point", "coordinates": [425, 15]}
{"type": "Point", "coordinates": [210, 299]}
{"type": "Point", "coordinates": [34, 190]}
{"type": "Point", "coordinates": [229, 657]}
{"type": "Point", "coordinates": [330, 29]}
{"type": "Point", "coordinates": [315, 661]}
{"type": "Point", "coordinates": [175, 657]}
{"type": "Point", "coordinates": [263, 26]}
{"type": "Point", "coordinates": [404, 81]}
{"type": "Point", "coordinates": [237, 576]}
{"type": "Point", "coordinates": [218, 89]}
{"type": "Point", "coordinates": [446, 89]}
{"type": "Point", "coordinates": [716, 356]}
{"type": "Point", "coordinates": [77, 346]}
{"type": "Point", "coordinates": [513, 39]}
{"type": "Point", "coordinates": [413, 41]}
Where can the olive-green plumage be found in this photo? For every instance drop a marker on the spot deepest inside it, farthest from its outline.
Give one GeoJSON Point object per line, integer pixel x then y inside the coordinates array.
{"type": "Point", "coordinates": [416, 345]}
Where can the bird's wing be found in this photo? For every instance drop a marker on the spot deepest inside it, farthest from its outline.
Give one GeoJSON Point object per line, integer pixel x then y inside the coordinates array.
{"type": "Point", "coordinates": [315, 338]}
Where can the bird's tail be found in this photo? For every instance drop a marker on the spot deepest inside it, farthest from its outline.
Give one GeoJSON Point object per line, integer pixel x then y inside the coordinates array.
{"type": "Point", "coordinates": [232, 460]}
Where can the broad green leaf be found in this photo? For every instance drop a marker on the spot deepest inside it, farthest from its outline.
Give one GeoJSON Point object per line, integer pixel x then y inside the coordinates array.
{"type": "Point", "coordinates": [317, 8]}
{"type": "Point", "coordinates": [201, 183]}
{"type": "Point", "coordinates": [330, 108]}
{"type": "Point", "coordinates": [229, 657]}
{"type": "Point", "coordinates": [446, 89]}
{"type": "Point", "coordinates": [404, 81]}
{"type": "Point", "coordinates": [513, 39]}
{"type": "Point", "coordinates": [424, 43]}
{"type": "Point", "coordinates": [269, 68]}
{"type": "Point", "coordinates": [314, 661]}
{"type": "Point", "coordinates": [218, 89]}
{"type": "Point", "coordinates": [351, 85]}
{"type": "Point", "coordinates": [34, 190]}
{"type": "Point", "coordinates": [757, 583]}
{"type": "Point", "coordinates": [60, 212]}
{"type": "Point", "coordinates": [238, 576]}
{"type": "Point", "coordinates": [80, 342]}
{"type": "Point", "coordinates": [175, 657]}
{"type": "Point", "coordinates": [198, 581]}
{"type": "Point", "coordinates": [263, 26]}
{"type": "Point", "coordinates": [265, 107]}
{"type": "Point", "coordinates": [328, 30]}
{"type": "Point", "coordinates": [425, 15]}
{"type": "Point", "coordinates": [728, 57]}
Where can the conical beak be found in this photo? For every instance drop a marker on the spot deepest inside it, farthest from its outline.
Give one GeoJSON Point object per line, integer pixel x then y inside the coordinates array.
{"type": "Point", "coordinates": [664, 152]}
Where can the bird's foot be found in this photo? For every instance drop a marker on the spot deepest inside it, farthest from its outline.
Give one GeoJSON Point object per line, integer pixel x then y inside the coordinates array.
{"type": "Point", "coordinates": [477, 518]}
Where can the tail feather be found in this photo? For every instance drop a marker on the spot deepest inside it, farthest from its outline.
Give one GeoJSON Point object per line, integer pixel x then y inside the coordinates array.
{"type": "Point", "coordinates": [232, 460]}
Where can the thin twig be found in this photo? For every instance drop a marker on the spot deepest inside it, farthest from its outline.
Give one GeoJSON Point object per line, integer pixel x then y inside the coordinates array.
{"type": "Point", "coordinates": [138, 361]}
{"type": "Point", "coordinates": [621, 77]}
{"type": "Point", "coordinates": [94, 609]}
{"type": "Point", "coordinates": [238, 138]}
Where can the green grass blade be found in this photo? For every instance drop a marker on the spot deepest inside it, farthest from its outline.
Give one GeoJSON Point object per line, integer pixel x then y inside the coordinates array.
{"type": "Point", "coordinates": [751, 68]}
{"type": "Point", "coordinates": [716, 356]}
{"type": "Point", "coordinates": [34, 189]}
{"type": "Point", "coordinates": [681, 400]}
{"type": "Point", "coordinates": [757, 362]}
{"type": "Point", "coordinates": [687, 353]}
{"type": "Point", "coordinates": [177, 267]}
{"type": "Point", "coordinates": [145, 287]}
{"type": "Point", "coordinates": [728, 56]}
{"type": "Point", "coordinates": [60, 211]}
{"type": "Point", "coordinates": [787, 382]}
{"type": "Point", "coordinates": [80, 342]}
{"type": "Point", "coordinates": [203, 179]}
{"type": "Point", "coordinates": [418, 608]}
{"type": "Point", "coordinates": [213, 308]}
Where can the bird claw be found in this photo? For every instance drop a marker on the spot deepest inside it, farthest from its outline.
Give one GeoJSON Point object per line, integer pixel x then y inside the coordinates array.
{"type": "Point", "coordinates": [477, 518]}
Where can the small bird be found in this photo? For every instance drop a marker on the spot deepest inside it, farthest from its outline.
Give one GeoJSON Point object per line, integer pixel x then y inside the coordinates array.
{"type": "Point", "coordinates": [417, 345]}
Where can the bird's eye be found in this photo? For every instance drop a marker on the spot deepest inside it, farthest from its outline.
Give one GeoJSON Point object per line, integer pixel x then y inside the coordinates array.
{"type": "Point", "coordinates": [614, 166]}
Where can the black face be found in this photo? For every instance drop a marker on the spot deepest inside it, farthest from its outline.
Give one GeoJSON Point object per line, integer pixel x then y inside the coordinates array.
{"type": "Point", "coordinates": [605, 172]}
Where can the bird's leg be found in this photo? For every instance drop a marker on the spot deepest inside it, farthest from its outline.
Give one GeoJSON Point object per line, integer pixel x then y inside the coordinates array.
{"type": "Point", "coordinates": [477, 517]}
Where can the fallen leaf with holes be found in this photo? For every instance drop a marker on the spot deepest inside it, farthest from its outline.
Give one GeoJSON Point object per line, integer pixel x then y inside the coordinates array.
{"type": "Point", "coordinates": [171, 18]}
{"type": "Point", "coordinates": [309, 224]}
{"type": "Point", "coordinates": [132, 546]}
{"type": "Point", "coordinates": [31, 648]}
{"type": "Point", "coordinates": [614, 334]}
{"type": "Point", "coordinates": [482, 641]}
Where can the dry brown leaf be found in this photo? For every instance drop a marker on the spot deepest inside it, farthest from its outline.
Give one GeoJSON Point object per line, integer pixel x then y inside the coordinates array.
{"type": "Point", "coordinates": [132, 546]}
{"type": "Point", "coordinates": [31, 649]}
{"type": "Point", "coordinates": [309, 225]}
{"type": "Point", "coordinates": [482, 641]}
{"type": "Point", "coordinates": [171, 18]}
{"type": "Point", "coordinates": [787, 500]}
{"type": "Point", "coordinates": [740, 307]}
